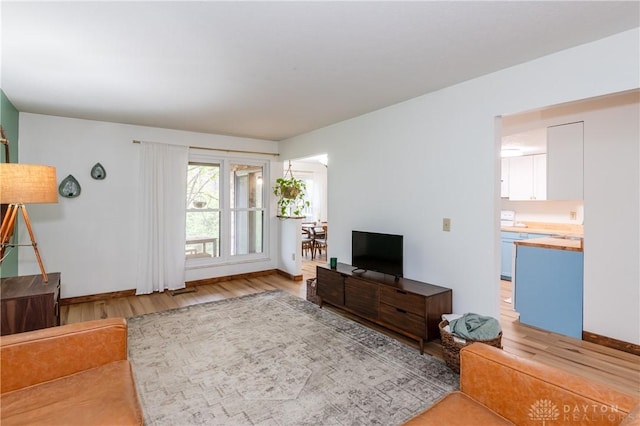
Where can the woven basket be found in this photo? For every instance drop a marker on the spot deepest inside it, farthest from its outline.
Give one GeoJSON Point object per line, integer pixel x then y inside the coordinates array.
{"type": "Point", "coordinates": [312, 290]}
{"type": "Point", "coordinates": [451, 345]}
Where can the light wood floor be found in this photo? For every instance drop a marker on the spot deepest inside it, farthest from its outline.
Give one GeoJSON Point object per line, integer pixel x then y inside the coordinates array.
{"type": "Point", "coordinates": [614, 368]}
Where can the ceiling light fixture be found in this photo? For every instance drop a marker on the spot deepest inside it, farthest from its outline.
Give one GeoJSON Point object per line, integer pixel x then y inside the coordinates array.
{"type": "Point", "coordinates": [510, 152]}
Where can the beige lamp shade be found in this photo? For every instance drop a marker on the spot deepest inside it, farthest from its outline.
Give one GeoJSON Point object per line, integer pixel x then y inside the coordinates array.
{"type": "Point", "coordinates": [27, 183]}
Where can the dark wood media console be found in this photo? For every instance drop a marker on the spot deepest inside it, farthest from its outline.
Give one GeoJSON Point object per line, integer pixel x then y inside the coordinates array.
{"type": "Point", "coordinates": [411, 308]}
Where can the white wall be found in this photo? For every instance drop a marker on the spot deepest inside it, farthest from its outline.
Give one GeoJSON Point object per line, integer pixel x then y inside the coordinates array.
{"type": "Point", "coordinates": [290, 238]}
{"type": "Point", "coordinates": [403, 168]}
{"type": "Point", "coordinates": [611, 228]}
{"type": "Point", "coordinates": [92, 239]}
{"type": "Point", "coordinates": [557, 211]}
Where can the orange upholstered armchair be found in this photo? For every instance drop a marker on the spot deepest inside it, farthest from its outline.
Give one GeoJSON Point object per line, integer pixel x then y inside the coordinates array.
{"type": "Point", "coordinates": [72, 374]}
{"type": "Point", "coordinates": [498, 388]}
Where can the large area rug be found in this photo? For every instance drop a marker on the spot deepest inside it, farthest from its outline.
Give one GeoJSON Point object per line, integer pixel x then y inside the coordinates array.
{"type": "Point", "coordinates": [275, 359]}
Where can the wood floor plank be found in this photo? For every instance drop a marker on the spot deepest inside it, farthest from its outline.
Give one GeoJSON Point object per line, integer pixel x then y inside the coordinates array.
{"type": "Point", "coordinates": [147, 303]}
{"type": "Point", "coordinates": [259, 285]}
{"type": "Point", "coordinates": [64, 314]}
{"type": "Point", "coordinates": [186, 299]}
{"type": "Point", "coordinates": [100, 309]}
{"type": "Point", "coordinates": [575, 350]}
{"type": "Point", "coordinates": [168, 302]}
{"type": "Point", "coordinates": [88, 313]}
{"type": "Point", "coordinates": [209, 293]}
{"type": "Point", "coordinates": [135, 304]}
{"type": "Point", "coordinates": [73, 314]}
{"type": "Point", "coordinates": [237, 289]}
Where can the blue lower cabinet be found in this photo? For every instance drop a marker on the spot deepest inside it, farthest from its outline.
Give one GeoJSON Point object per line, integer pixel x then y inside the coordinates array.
{"type": "Point", "coordinates": [507, 239]}
{"type": "Point", "coordinates": [506, 251]}
{"type": "Point", "coordinates": [549, 289]}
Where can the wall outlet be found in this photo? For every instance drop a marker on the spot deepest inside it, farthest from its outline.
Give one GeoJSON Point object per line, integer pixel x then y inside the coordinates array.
{"type": "Point", "coordinates": [573, 216]}
{"type": "Point", "coordinates": [446, 224]}
{"type": "Point", "coordinates": [293, 256]}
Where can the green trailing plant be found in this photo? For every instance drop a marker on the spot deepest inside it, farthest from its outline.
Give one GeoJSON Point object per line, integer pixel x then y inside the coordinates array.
{"type": "Point", "coordinates": [291, 193]}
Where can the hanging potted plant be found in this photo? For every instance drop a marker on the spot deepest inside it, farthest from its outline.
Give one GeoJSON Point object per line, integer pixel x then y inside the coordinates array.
{"type": "Point", "coordinates": [292, 195]}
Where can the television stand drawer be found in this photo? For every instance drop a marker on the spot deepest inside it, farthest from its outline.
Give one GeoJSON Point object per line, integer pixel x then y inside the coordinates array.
{"type": "Point", "coordinates": [404, 300]}
{"type": "Point", "coordinates": [403, 320]}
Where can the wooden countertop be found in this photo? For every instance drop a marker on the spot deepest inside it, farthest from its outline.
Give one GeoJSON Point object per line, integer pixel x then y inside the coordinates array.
{"type": "Point", "coordinates": [547, 228]}
{"type": "Point", "coordinates": [554, 243]}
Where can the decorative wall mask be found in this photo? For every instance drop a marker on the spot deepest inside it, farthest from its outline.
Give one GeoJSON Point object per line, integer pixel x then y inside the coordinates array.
{"type": "Point", "coordinates": [98, 172]}
{"type": "Point", "coordinates": [69, 187]}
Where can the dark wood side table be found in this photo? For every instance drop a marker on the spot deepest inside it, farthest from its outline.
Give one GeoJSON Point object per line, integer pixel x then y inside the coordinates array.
{"type": "Point", "coordinates": [28, 303]}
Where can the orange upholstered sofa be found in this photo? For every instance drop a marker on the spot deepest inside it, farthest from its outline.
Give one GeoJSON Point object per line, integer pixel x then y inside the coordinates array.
{"type": "Point", "coordinates": [498, 388]}
{"type": "Point", "coordinates": [72, 374]}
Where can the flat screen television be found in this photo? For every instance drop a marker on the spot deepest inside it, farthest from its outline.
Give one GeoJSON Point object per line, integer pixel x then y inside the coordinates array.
{"type": "Point", "coordinates": [373, 251]}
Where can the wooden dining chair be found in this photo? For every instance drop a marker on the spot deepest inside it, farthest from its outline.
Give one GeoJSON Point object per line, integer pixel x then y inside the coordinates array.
{"type": "Point", "coordinates": [307, 242]}
{"type": "Point", "coordinates": [319, 240]}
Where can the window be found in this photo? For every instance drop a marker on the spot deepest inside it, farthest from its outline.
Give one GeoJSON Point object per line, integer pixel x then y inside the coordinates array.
{"type": "Point", "coordinates": [225, 210]}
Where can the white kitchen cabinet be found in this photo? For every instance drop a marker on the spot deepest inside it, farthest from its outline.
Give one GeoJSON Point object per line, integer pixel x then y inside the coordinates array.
{"type": "Point", "coordinates": [565, 161]}
{"type": "Point", "coordinates": [540, 177]}
{"type": "Point", "coordinates": [504, 178]}
{"type": "Point", "coordinates": [528, 177]}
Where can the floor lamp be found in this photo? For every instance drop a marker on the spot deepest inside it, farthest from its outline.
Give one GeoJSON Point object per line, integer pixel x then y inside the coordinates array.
{"type": "Point", "coordinates": [22, 184]}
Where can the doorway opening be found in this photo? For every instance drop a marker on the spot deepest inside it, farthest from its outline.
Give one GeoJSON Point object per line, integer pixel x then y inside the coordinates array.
{"type": "Point", "coordinates": [315, 225]}
{"type": "Point", "coordinates": [538, 191]}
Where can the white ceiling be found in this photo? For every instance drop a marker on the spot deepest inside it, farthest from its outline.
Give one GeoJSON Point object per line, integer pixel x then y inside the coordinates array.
{"type": "Point", "coordinates": [271, 70]}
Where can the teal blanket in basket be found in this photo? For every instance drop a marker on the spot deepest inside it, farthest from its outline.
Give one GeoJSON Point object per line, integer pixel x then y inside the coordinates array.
{"type": "Point", "coordinates": [475, 327]}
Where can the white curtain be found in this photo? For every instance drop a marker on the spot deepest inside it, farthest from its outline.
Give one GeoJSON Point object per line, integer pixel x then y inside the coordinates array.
{"type": "Point", "coordinates": [161, 219]}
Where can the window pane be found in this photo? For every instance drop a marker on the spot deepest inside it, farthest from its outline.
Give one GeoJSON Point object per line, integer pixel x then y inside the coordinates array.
{"type": "Point", "coordinates": [246, 229]}
{"type": "Point", "coordinates": [203, 186]}
{"type": "Point", "coordinates": [203, 214]}
{"type": "Point", "coordinates": [203, 234]}
{"type": "Point", "coordinates": [246, 186]}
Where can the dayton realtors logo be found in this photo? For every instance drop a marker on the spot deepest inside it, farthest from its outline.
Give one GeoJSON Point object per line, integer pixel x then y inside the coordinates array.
{"type": "Point", "coordinates": [544, 410]}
